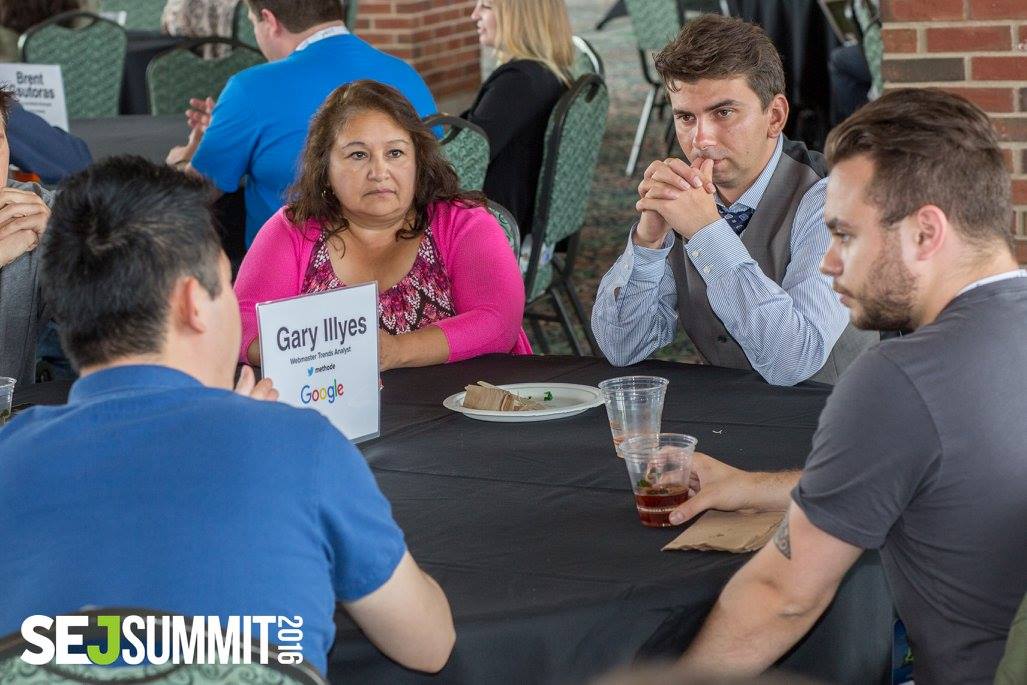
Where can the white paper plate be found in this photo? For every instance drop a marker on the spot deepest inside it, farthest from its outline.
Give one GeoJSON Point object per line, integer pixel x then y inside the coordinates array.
{"type": "Point", "coordinates": [568, 399]}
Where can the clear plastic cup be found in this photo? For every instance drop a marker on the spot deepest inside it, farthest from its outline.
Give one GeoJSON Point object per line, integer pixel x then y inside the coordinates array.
{"type": "Point", "coordinates": [6, 398]}
{"type": "Point", "coordinates": [634, 405]}
{"type": "Point", "coordinates": [659, 466]}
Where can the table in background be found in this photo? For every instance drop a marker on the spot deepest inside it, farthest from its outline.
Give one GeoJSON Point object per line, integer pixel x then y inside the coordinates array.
{"type": "Point", "coordinates": [152, 137]}
{"type": "Point", "coordinates": [532, 532]}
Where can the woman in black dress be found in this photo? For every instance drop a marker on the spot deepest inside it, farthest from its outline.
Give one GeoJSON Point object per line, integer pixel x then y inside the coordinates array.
{"type": "Point", "coordinates": [532, 42]}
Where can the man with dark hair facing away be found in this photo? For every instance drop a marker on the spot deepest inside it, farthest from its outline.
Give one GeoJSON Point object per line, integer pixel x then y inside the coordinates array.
{"type": "Point", "coordinates": [259, 125]}
{"type": "Point", "coordinates": [157, 486]}
{"type": "Point", "coordinates": [920, 449]}
{"type": "Point", "coordinates": [737, 264]}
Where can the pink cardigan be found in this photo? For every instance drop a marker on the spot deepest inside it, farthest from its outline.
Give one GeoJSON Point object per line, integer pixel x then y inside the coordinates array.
{"type": "Point", "coordinates": [488, 293]}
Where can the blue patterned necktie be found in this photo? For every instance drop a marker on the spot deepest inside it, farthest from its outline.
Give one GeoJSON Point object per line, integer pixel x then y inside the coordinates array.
{"type": "Point", "coordinates": [736, 220]}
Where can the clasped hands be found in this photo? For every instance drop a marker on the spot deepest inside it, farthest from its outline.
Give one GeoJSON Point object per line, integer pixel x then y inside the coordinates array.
{"type": "Point", "coordinates": [675, 196]}
{"type": "Point", "coordinates": [23, 217]}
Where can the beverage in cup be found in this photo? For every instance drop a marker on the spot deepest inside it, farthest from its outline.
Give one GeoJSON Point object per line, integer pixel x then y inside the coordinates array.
{"type": "Point", "coordinates": [6, 398]}
{"type": "Point", "coordinates": [634, 405]}
{"type": "Point", "coordinates": [660, 466]}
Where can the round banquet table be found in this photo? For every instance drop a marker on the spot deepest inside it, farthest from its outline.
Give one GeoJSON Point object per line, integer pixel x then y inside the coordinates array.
{"type": "Point", "coordinates": [531, 529]}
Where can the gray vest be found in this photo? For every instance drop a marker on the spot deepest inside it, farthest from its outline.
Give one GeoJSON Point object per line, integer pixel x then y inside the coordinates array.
{"type": "Point", "coordinates": [768, 239]}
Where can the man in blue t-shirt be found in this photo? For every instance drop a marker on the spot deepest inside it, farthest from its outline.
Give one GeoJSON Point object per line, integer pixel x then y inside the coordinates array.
{"type": "Point", "coordinates": [157, 486]}
{"type": "Point", "coordinates": [259, 125]}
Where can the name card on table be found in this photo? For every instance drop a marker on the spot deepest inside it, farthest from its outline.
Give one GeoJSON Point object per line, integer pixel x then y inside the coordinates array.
{"type": "Point", "coordinates": [321, 352]}
{"type": "Point", "coordinates": [40, 89]}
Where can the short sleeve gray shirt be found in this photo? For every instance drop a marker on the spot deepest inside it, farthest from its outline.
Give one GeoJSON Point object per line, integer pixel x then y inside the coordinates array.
{"type": "Point", "coordinates": [921, 452]}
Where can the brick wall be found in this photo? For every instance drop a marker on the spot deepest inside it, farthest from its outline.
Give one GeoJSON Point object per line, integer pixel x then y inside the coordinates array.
{"type": "Point", "coordinates": [437, 37]}
{"type": "Point", "coordinates": [977, 48]}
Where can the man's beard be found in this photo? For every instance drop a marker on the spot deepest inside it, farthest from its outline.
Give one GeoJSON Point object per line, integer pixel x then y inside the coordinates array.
{"type": "Point", "coordinates": [887, 300]}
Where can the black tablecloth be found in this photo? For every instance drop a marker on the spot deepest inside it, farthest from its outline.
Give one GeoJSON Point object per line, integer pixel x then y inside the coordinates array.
{"type": "Point", "coordinates": [532, 532]}
{"type": "Point", "coordinates": [141, 134]}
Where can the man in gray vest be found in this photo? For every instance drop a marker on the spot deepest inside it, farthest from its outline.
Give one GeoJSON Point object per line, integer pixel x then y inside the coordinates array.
{"type": "Point", "coordinates": [729, 245]}
{"type": "Point", "coordinates": [24, 211]}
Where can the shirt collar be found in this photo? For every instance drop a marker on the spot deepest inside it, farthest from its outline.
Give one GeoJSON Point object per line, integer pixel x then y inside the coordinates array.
{"type": "Point", "coordinates": [321, 35]}
{"type": "Point", "coordinates": [1015, 273]}
{"type": "Point", "coordinates": [128, 379]}
{"type": "Point", "coordinates": [751, 197]}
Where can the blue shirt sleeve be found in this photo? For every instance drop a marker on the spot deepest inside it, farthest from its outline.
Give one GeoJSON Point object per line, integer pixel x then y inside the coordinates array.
{"type": "Point", "coordinates": [228, 144]}
{"type": "Point", "coordinates": [365, 545]}
{"type": "Point", "coordinates": [43, 149]}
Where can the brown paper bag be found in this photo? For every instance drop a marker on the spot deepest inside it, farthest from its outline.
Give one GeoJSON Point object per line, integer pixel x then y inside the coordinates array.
{"type": "Point", "coordinates": [728, 531]}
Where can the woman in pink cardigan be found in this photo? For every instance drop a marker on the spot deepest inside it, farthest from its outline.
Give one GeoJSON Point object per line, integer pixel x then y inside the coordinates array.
{"type": "Point", "coordinates": [376, 201]}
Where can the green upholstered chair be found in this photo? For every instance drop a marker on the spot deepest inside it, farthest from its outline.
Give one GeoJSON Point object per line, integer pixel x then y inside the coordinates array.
{"type": "Point", "coordinates": [351, 8]}
{"type": "Point", "coordinates": [656, 23]}
{"type": "Point", "coordinates": [466, 146]}
{"type": "Point", "coordinates": [242, 27]}
{"type": "Point", "coordinates": [15, 671]}
{"type": "Point", "coordinates": [572, 142]}
{"type": "Point", "coordinates": [508, 222]}
{"type": "Point", "coordinates": [91, 53]}
{"type": "Point", "coordinates": [140, 15]}
{"type": "Point", "coordinates": [586, 59]}
{"type": "Point", "coordinates": [181, 73]}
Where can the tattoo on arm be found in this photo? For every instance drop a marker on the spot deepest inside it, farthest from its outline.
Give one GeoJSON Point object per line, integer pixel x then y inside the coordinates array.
{"type": "Point", "coordinates": [781, 539]}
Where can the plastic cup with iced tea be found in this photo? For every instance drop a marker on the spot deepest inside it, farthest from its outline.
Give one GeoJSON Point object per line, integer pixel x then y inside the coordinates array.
{"type": "Point", "coordinates": [659, 466]}
{"type": "Point", "coordinates": [634, 405]}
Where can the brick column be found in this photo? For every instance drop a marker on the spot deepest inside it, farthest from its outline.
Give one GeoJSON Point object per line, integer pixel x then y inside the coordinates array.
{"type": "Point", "coordinates": [437, 37]}
{"type": "Point", "coordinates": [978, 49]}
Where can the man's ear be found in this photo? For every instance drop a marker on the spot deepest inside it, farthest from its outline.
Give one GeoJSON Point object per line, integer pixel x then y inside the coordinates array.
{"type": "Point", "coordinates": [778, 109]}
{"type": "Point", "coordinates": [190, 304]}
{"type": "Point", "coordinates": [274, 26]}
{"type": "Point", "coordinates": [930, 230]}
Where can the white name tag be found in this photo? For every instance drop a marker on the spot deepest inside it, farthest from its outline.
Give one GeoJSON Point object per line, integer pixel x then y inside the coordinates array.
{"type": "Point", "coordinates": [40, 90]}
{"type": "Point", "coordinates": [321, 352]}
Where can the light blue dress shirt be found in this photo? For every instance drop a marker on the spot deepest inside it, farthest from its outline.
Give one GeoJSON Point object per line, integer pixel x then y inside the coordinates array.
{"type": "Point", "coordinates": [787, 331]}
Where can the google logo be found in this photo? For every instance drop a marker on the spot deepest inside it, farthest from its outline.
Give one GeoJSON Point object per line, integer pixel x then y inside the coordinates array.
{"type": "Point", "coordinates": [308, 395]}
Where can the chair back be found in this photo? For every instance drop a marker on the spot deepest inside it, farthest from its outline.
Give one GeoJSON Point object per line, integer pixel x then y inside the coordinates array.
{"type": "Point", "coordinates": [655, 22]}
{"type": "Point", "coordinates": [91, 56]}
{"type": "Point", "coordinates": [586, 59]}
{"type": "Point", "coordinates": [573, 138]}
{"type": "Point", "coordinates": [242, 27]}
{"type": "Point", "coordinates": [181, 73]}
{"type": "Point", "coordinates": [13, 670]}
{"type": "Point", "coordinates": [508, 222]}
{"type": "Point", "coordinates": [466, 146]}
{"type": "Point", "coordinates": [140, 15]}
{"type": "Point", "coordinates": [350, 8]}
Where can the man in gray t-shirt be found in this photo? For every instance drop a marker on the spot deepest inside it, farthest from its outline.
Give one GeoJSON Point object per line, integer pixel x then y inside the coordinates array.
{"type": "Point", "coordinates": [920, 450]}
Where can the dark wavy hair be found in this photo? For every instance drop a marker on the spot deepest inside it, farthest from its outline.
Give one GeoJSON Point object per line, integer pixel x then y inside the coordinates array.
{"type": "Point", "coordinates": [311, 197]}
{"type": "Point", "coordinates": [19, 15]}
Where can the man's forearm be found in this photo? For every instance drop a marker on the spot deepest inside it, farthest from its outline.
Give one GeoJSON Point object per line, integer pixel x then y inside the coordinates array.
{"type": "Point", "coordinates": [752, 626]}
{"type": "Point", "coordinates": [771, 491]}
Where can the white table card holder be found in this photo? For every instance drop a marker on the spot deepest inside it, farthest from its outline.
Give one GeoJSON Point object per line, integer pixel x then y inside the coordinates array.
{"type": "Point", "coordinates": [40, 90]}
{"type": "Point", "coordinates": [321, 352]}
